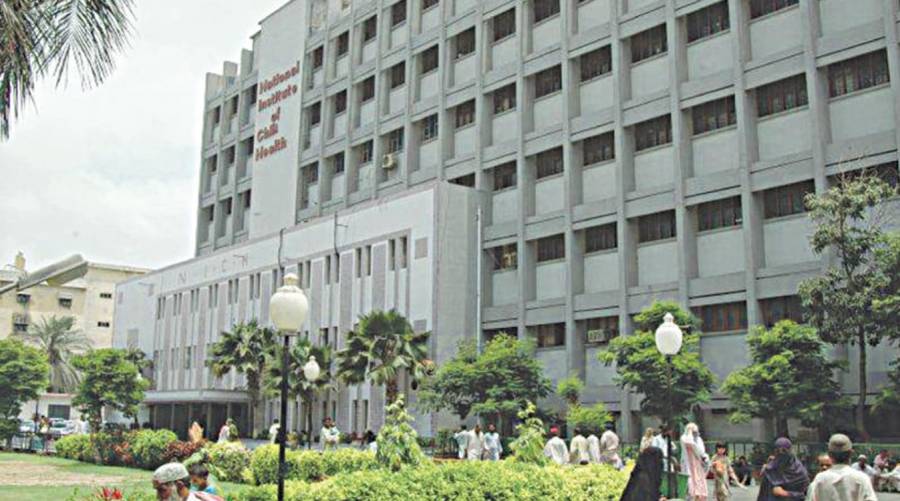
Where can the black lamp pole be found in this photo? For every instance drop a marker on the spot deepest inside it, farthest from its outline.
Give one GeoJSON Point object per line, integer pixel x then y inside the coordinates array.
{"type": "Point", "coordinates": [670, 467]}
{"type": "Point", "coordinates": [282, 427]}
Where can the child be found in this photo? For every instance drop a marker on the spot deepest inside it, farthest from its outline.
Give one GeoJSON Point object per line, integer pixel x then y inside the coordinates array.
{"type": "Point", "coordinates": [200, 479]}
{"type": "Point", "coordinates": [723, 473]}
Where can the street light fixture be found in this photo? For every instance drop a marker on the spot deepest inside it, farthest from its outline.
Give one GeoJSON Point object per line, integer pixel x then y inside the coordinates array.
{"type": "Point", "coordinates": [668, 342]}
{"type": "Point", "coordinates": [311, 371]}
{"type": "Point", "coordinates": [287, 309]}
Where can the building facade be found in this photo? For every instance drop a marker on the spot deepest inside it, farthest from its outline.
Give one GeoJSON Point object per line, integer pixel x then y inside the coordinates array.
{"type": "Point", "coordinates": [621, 151]}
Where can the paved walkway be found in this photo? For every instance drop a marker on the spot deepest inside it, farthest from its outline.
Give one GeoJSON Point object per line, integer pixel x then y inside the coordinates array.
{"type": "Point", "coordinates": [750, 493]}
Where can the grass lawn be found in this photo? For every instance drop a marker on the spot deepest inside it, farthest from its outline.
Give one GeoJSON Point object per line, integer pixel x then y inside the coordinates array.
{"type": "Point", "coordinates": [29, 477]}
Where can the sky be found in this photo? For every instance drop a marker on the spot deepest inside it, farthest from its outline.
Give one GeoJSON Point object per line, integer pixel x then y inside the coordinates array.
{"type": "Point", "coordinates": [111, 173]}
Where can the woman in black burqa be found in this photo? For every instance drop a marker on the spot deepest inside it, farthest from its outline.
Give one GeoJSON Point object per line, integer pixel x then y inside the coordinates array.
{"type": "Point", "coordinates": [646, 477]}
{"type": "Point", "coordinates": [784, 478]}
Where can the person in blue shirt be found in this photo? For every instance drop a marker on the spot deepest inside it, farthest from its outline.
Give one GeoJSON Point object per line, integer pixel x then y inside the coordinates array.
{"type": "Point", "coordinates": [200, 479]}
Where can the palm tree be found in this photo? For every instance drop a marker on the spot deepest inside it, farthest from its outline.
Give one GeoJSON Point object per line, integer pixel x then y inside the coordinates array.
{"type": "Point", "coordinates": [382, 348]}
{"type": "Point", "coordinates": [46, 37]}
{"type": "Point", "coordinates": [298, 385]}
{"type": "Point", "coordinates": [59, 338]}
{"type": "Point", "coordinates": [244, 350]}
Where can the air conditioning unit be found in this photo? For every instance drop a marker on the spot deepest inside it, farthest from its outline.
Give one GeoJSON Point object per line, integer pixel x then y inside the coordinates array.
{"type": "Point", "coordinates": [597, 336]}
{"type": "Point", "coordinates": [388, 162]}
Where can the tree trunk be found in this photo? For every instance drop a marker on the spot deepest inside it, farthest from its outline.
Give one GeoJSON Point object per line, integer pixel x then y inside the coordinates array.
{"type": "Point", "coordinates": [863, 388]}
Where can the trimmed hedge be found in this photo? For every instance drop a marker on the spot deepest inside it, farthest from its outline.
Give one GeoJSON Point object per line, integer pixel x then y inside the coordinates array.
{"type": "Point", "coordinates": [149, 447]}
{"type": "Point", "coordinates": [307, 465]}
{"type": "Point", "coordinates": [77, 447]}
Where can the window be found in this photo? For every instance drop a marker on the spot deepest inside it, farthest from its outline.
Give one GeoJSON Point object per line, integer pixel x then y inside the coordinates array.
{"type": "Point", "coordinates": [340, 102]}
{"type": "Point", "coordinates": [648, 43]}
{"type": "Point", "coordinates": [365, 152]}
{"type": "Point", "coordinates": [337, 163]}
{"type": "Point", "coordinates": [659, 226]}
{"type": "Point", "coordinates": [595, 63]}
{"type": "Point", "coordinates": [106, 295]}
{"type": "Point", "coordinates": [504, 99]}
{"type": "Point", "coordinates": [781, 96]}
{"type": "Point", "coordinates": [311, 174]}
{"type": "Point", "coordinates": [707, 22]}
{"type": "Point", "coordinates": [547, 82]}
{"type": "Point", "coordinates": [401, 253]}
{"type": "Point", "coordinates": [713, 115]}
{"type": "Point", "coordinates": [787, 200]}
{"type": "Point", "coordinates": [652, 133]}
{"type": "Point", "coordinates": [886, 172]}
{"type": "Point", "coordinates": [342, 44]}
{"type": "Point", "coordinates": [58, 411]}
{"type": "Point", "coordinates": [317, 58]}
{"type": "Point", "coordinates": [359, 262]}
{"type": "Point", "coordinates": [601, 330]}
{"type": "Point", "coordinates": [504, 257]}
{"type": "Point", "coordinates": [549, 163]}
{"type": "Point", "coordinates": [188, 356]}
{"type": "Point", "coordinates": [465, 43]}
{"type": "Point", "coordinates": [398, 75]}
{"type": "Point", "coordinates": [398, 13]}
{"type": "Point", "coordinates": [600, 238]}
{"type": "Point", "coordinates": [20, 323]}
{"type": "Point", "coordinates": [429, 60]}
{"type": "Point", "coordinates": [868, 70]}
{"type": "Point", "coordinates": [505, 176]}
{"type": "Point", "coordinates": [228, 208]}
{"type": "Point", "coordinates": [598, 149]}
{"type": "Point", "coordinates": [370, 29]}
{"type": "Point", "coordinates": [723, 213]}
{"type": "Point", "coordinates": [549, 335]}
{"type": "Point", "coordinates": [367, 89]}
{"type": "Point", "coordinates": [103, 324]}
{"type": "Point", "coordinates": [212, 164]}
{"type": "Point", "coordinates": [429, 128]}
{"type": "Point", "coordinates": [468, 180]}
{"type": "Point", "coordinates": [315, 114]}
{"type": "Point", "coordinates": [465, 114]}
{"type": "Point", "coordinates": [368, 261]}
{"type": "Point", "coordinates": [427, 4]}
{"type": "Point", "coordinates": [395, 141]}
{"type": "Point", "coordinates": [23, 298]}
{"type": "Point", "coordinates": [551, 248]}
{"type": "Point", "coordinates": [724, 317]}
{"type": "Point", "coordinates": [759, 8]}
{"type": "Point", "coordinates": [392, 254]}
{"type": "Point", "coordinates": [65, 302]}
{"type": "Point", "coordinates": [781, 308]}
{"type": "Point", "coordinates": [323, 336]}
{"type": "Point", "coordinates": [504, 25]}
{"type": "Point", "coordinates": [545, 9]}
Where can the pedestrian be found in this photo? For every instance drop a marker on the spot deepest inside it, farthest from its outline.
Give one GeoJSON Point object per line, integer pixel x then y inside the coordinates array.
{"type": "Point", "coordinates": [824, 461]}
{"type": "Point", "coordinates": [784, 477]}
{"type": "Point", "coordinates": [368, 438]}
{"type": "Point", "coordinates": [172, 482]}
{"type": "Point", "coordinates": [609, 447]}
{"type": "Point", "coordinates": [462, 441]}
{"type": "Point", "coordinates": [647, 439]}
{"type": "Point", "coordinates": [475, 444]}
{"type": "Point", "coordinates": [45, 434]}
{"type": "Point", "coordinates": [883, 460]}
{"type": "Point", "coordinates": [841, 482]}
{"type": "Point", "coordinates": [862, 465]}
{"type": "Point", "coordinates": [892, 478]}
{"type": "Point", "coordinates": [330, 435]}
{"type": "Point", "coordinates": [556, 448]}
{"type": "Point", "coordinates": [224, 431]}
{"type": "Point", "coordinates": [723, 472]}
{"type": "Point", "coordinates": [646, 477]}
{"type": "Point", "coordinates": [273, 431]}
{"type": "Point", "coordinates": [660, 442]}
{"type": "Point", "coordinates": [743, 471]}
{"type": "Point", "coordinates": [694, 462]}
{"type": "Point", "coordinates": [493, 448]}
{"type": "Point", "coordinates": [371, 441]}
{"type": "Point", "coordinates": [200, 479]}
{"type": "Point", "coordinates": [594, 448]}
{"type": "Point", "coordinates": [579, 449]}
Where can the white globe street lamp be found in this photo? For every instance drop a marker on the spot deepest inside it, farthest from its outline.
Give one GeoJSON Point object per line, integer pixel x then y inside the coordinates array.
{"type": "Point", "coordinates": [668, 341]}
{"type": "Point", "coordinates": [668, 336]}
{"type": "Point", "coordinates": [311, 370]}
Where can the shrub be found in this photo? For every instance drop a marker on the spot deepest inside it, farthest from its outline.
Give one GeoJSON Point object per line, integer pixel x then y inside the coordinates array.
{"type": "Point", "coordinates": [180, 451]}
{"type": "Point", "coordinates": [570, 389]}
{"type": "Point", "coordinates": [227, 461]}
{"type": "Point", "coordinates": [528, 447]}
{"type": "Point", "coordinates": [397, 445]}
{"type": "Point", "coordinates": [108, 446]}
{"type": "Point", "coordinates": [149, 447]}
{"type": "Point", "coordinates": [77, 447]}
{"type": "Point", "coordinates": [344, 461]}
{"type": "Point", "coordinates": [307, 465]}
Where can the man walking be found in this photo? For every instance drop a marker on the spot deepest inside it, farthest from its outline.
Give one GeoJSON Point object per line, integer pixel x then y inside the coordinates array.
{"type": "Point", "coordinates": [273, 431]}
{"type": "Point", "coordinates": [609, 447]}
{"type": "Point", "coordinates": [556, 448]}
{"type": "Point", "coordinates": [841, 482]}
{"type": "Point", "coordinates": [462, 441]}
{"type": "Point", "coordinates": [492, 445]}
{"type": "Point", "coordinates": [330, 435]}
{"type": "Point", "coordinates": [579, 450]}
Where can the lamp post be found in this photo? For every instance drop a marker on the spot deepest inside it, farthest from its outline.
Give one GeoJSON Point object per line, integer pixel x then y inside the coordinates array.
{"type": "Point", "coordinates": [311, 372]}
{"type": "Point", "coordinates": [668, 342]}
{"type": "Point", "coordinates": [287, 309]}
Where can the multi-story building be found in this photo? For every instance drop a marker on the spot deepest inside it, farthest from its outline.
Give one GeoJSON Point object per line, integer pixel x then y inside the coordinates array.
{"type": "Point", "coordinates": [622, 151]}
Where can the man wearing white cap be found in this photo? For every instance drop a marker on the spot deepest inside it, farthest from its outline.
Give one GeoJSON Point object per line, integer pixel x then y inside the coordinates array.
{"type": "Point", "coordinates": [841, 482]}
{"type": "Point", "coordinates": [173, 483]}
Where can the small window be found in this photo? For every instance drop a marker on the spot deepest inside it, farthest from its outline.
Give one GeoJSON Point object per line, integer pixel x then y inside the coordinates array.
{"type": "Point", "coordinates": [228, 207]}
{"type": "Point", "coordinates": [505, 176]}
{"type": "Point", "coordinates": [659, 226]}
{"type": "Point", "coordinates": [504, 99]}
{"type": "Point", "coordinates": [318, 56]}
{"type": "Point", "coordinates": [781, 308]}
{"type": "Point", "coordinates": [337, 163]}
{"type": "Point", "coordinates": [23, 298]}
{"type": "Point", "coordinates": [212, 164]}
{"type": "Point", "coordinates": [504, 257]}
{"type": "Point", "coordinates": [402, 252]}
{"type": "Point", "coordinates": [315, 114]}
{"type": "Point", "coordinates": [595, 63]}
{"type": "Point", "coordinates": [368, 262]}
{"type": "Point", "coordinates": [370, 29]}
{"type": "Point", "coordinates": [398, 13]}
{"type": "Point", "coordinates": [210, 214]}
{"type": "Point", "coordinates": [367, 89]}
{"type": "Point", "coordinates": [429, 59]}
{"type": "Point", "coordinates": [598, 149]}
{"type": "Point", "coordinates": [549, 163]}
{"type": "Point", "coordinates": [724, 317]}
{"type": "Point", "coordinates": [859, 73]}
{"type": "Point", "coordinates": [465, 43]}
{"type": "Point", "coordinates": [707, 22]}
{"type": "Point", "coordinates": [65, 302]}
{"type": "Point", "coordinates": [759, 8]}
{"type": "Point", "coordinates": [106, 295]}
{"type": "Point", "coordinates": [549, 335]}
{"type": "Point", "coordinates": [551, 248]}
{"type": "Point", "coordinates": [504, 25]}
{"type": "Point", "coordinates": [887, 172]}
{"type": "Point", "coordinates": [468, 180]}
{"type": "Point", "coordinates": [713, 115]}
{"type": "Point", "coordinates": [365, 152]}
{"type": "Point", "coordinates": [311, 174]}
{"type": "Point", "coordinates": [398, 75]}
{"type": "Point", "coordinates": [327, 272]}
{"type": "Point", "coordinates": [600, 238]}
{"type": "Point", "coordinates": [601, 330]}
{"type": "Point", "coordinates": [247, 199]}
{"type": "Point", "coordinates": [358, 254]}
{"type": "Point", "coordinates": [547, 82]}
{"type": "Point", "coordinates": [545, 9]}
{"type": "Point", "coordinates": [781, 96]}
{"type": "Point", "coordinates": [395, 141]}
{"type": "Point", "coordinates": [340, 102]}
{"type": "Point", "coordinates": [342, 44]}
{"type": "Point", "coordinates": [723, 213]}
{"type": "Point", "coordinates": [429, 128]}
{"type": "Point", "coordinates": [648, 43]}
{"type": "Point", "coordinates": [465, 114]}
{"type": "Point", "coordinates": [427, 4]}
{"type": "Point", "coordinates": [787, 200]}
{"type": "Point", "coordinates": [652, 133]}
{"type": "Point", "coordinates": [103, 324]}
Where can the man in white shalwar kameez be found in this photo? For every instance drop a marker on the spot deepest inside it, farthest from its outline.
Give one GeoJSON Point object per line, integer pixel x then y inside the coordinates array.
{"type": "Point", "coordinates": [556, 448]}
{"type": "Point", "coordinates": [609, 447]}
{"type": "Point", "coordinates": [579, 450]}
{"type": "Point", "coordinates": [462, 441]}
{"type": "Point", "coordinates": [594, 448]}
{"type": "Point", "coordinates": [492, 445]}
{"type": "Point", "coordinates": [475, 447]}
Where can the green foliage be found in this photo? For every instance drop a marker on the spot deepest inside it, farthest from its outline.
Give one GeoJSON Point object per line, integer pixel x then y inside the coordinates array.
{"type": "Point", "coordinates": [149, 447]}
{"type": "Point", "coordinates": [298, 356]}
{"type": "Point", "coordinates": [640, 366]}
{"type": "Point", "coordinates": [108, 380]}
{"type": "Point", "coordinates": [498, 382]}
{"type": "Point", "coordinates": [307, 465]}
{"type": "Point", "coordinates": [23, 374]}
{"type": "Point", "coordinates": [227, 461]}
{"type": "Point", "coordinates": [589, 419]}
{"type": "Point", "coordinates": [383, 347]}
{"type": "Point", "coordinates": [528, 447]}
{"type": "Point", "coordinates": [889, 398]}
{"type": "Point", "coordinates": [77, 447]}
{"type": "Point", "coordinates": [397, 444]}
{"type": "Point", "coordinates": [569, 389]}
{"type": "Point", "coordinates": [61, 341]}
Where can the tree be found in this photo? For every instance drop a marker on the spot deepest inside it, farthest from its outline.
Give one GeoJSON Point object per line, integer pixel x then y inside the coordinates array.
{"type": "Point", "coordinates": [23, 374]}
{"type": "Point", "coordinates": [383, 347]}
{"type": "Point", "coordinates": [890, 393]}
{"type": "Point", "coordinates": [244, 350]}
{"type": "Point", "coordinates": [498, 382]}
{"type": "Point", "coordinates": [640, 366]}
{"type": "Point", "coordinates": [59, 339]}
{"type": "Point", "coordinates": [587, 418]}
{"type": "Point", "coordinates": [108, 380]}
{"type": "Point", "coordinates": [569, 389]}
{"type": "Point", "coordinates": [45, 37]}
{"type": "Point", "coordinates": [528, 447]}
{"type": "Point", "coordinates": [398, 446]}
{"type": "Point", "coordinates": [789, 376]}
{"type": "Point", "coordinates": [298, 385]}
{"type": "Point", "coordinates": [855, 300]}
